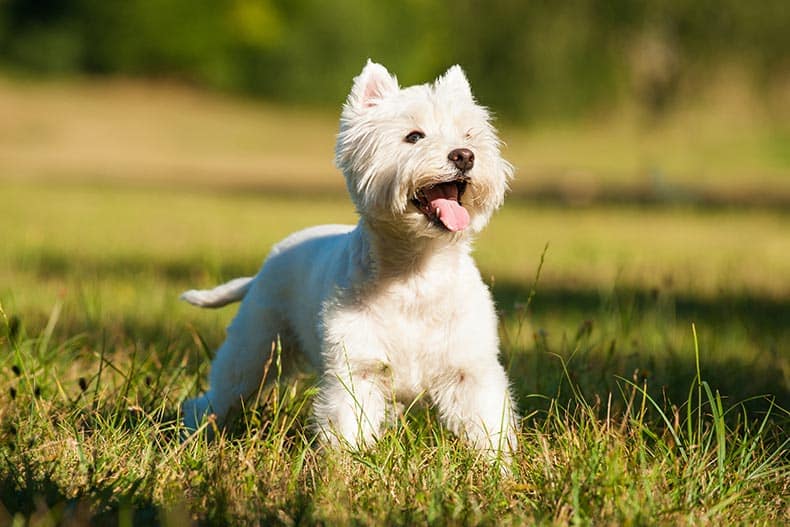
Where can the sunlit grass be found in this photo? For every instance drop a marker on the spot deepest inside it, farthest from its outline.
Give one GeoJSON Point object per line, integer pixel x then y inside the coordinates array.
{"type": "Point", "coordinates": [97, 353]}
{"type": "Point", "coordinates": [89, 431]}
{"type": "Point", "coordinates": [115, 232]}
{"type": "Point", "coordinates": [631, 414]}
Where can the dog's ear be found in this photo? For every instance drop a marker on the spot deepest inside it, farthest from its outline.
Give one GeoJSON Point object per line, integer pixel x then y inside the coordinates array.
{"type": "Point", "coordinates": [454, 81]}
{"type": "Point", "coordinates": [371, 86]}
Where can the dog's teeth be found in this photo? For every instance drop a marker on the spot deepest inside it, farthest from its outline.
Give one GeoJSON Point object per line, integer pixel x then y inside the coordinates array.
{"type": "Point", "coordinates": [437, 211]}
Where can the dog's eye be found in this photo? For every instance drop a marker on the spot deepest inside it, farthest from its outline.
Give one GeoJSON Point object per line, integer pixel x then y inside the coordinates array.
{"type": "Point", "coordinates": [414, 136]}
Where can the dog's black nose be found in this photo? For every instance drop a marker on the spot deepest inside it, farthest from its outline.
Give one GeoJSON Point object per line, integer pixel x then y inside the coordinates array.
{"type": "Point", "coordinates": [463, 158]}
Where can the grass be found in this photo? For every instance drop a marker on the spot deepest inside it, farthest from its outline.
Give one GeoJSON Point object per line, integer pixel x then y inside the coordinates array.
{"type": "Point", "coordinates": [89, 433]}
{"type": "Point", "coordinates": [649, 360]}
{"type": "Point", "coordinates": [729, 144]}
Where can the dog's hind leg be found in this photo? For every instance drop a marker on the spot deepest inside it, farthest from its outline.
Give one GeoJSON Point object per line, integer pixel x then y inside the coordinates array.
{"type": "Point", "coordinates": [238, 368]}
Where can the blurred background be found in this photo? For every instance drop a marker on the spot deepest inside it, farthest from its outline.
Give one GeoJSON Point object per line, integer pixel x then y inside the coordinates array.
{"type": "Point", "coordinates": [530, 60]}
{"type": "Point", "coordinates": [151, 145]}
{"type": "Point", "coordinates": [671, 100]}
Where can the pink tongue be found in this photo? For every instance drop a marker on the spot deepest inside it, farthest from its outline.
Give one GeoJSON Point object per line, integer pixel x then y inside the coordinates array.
{"type": "Point", "coordinates": [453, 215]}
{"type": "Point", "coordinates": [444, 201]}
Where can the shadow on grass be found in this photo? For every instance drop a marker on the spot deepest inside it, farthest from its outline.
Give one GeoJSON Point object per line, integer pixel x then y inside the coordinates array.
{"type": "Point", "coordinates": [769, 316]}
{"type": "Point", "coordinates": [743, 355]}
{"type": "Point", "coordinates": [52, 264]}
{"type": "Point", "coordinates": [32, 492]}
{"type": "Point", "coordinates": [756, 313]}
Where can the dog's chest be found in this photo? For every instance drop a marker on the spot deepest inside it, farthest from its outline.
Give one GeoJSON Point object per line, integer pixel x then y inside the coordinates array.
{"type": "Point", "coordinates": [416, 322]}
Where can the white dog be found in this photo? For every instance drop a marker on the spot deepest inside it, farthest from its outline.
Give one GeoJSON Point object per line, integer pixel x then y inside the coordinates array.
{"type": "Point", "coordinates": [393, 308]}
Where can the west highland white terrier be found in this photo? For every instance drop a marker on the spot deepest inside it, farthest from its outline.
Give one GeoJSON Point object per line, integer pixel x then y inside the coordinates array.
{"type": "Point", "coordinates": [393, 308]}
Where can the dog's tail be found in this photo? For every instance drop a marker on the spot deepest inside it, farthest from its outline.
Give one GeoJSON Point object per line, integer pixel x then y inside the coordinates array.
{"type": "Point", "coordinates": [221, 295]}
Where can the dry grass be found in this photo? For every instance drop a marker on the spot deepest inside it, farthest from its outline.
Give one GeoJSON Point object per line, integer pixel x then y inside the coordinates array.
{"type": "Point", "coordinates": [726, 145]}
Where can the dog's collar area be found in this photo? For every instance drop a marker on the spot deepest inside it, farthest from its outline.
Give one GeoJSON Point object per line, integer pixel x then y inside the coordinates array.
{"type": "Point", "coordinates": [441, 204]}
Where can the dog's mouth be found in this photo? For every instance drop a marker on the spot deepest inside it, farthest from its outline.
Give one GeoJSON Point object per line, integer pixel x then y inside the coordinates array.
{"type": "Point", "coordinates": [441, 204]}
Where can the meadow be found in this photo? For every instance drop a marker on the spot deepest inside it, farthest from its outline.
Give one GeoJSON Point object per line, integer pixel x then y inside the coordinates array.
{"type": "Point", "coordinates": [645, 321]}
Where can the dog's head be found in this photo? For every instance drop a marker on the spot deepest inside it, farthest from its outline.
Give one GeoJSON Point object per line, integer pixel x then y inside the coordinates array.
{"type": "Point", "coordinates": [424, 158]}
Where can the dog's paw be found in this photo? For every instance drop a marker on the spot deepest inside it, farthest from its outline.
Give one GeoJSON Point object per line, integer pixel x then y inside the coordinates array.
{"type": "Point", "coordinates": [193, 413]}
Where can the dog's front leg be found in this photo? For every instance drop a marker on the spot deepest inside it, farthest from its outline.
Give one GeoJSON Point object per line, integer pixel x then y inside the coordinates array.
{"type": "Point", "coordinates": [352, 402]}
{"type": "Point", "coordinates": [351, 406]}
{"type": "Point", "coordinates": [475, 403]}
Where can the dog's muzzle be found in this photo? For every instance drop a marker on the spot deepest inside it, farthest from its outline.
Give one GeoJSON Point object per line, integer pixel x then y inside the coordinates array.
{"type": "Point", "coordinates": [441, 203]}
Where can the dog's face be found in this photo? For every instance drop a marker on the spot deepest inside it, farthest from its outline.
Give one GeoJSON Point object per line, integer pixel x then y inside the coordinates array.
{"type": "Point", "coordinates": [424, 159]}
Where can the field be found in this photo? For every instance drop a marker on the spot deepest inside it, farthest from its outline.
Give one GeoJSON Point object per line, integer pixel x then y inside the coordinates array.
{"type": "Point", "coordinates": [648, 345]}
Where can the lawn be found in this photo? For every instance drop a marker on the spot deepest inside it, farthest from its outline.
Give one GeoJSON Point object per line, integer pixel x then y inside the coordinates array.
{"type": "Point", "coordinates": [650, 357]}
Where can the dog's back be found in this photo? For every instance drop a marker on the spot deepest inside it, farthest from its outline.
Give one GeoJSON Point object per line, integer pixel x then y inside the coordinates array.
{"type": "Point", "coordinates": [236, 289]}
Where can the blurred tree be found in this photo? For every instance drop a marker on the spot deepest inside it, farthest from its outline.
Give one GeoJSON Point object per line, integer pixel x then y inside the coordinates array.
{"type": "Point", "coordinates": [527, 58]}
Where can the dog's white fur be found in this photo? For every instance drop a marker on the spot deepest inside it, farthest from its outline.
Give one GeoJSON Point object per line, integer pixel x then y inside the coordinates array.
{"type": "Point", "coordinates": [393, 308]}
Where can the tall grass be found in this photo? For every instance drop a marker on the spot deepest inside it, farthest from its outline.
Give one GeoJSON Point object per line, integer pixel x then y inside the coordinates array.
{"type": "Point", "coordinates": [90, 433]}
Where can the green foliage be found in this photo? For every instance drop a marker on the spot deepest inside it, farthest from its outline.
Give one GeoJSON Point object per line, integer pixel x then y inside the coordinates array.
{"type": "Point", "coordinates": [526, 59]}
